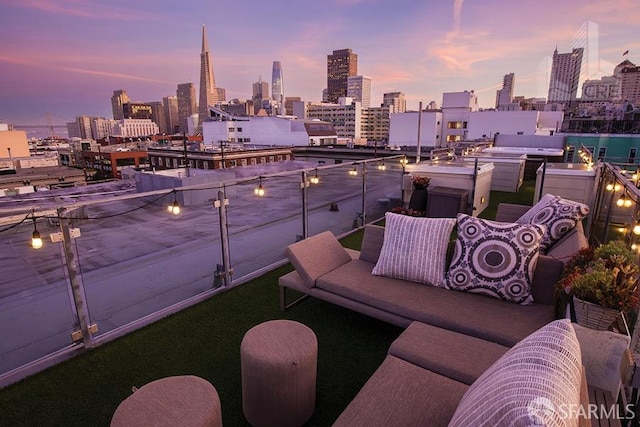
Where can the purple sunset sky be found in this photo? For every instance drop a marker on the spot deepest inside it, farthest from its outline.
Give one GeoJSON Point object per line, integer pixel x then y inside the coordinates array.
{"type": "Point", "coordinates": [66, 57]}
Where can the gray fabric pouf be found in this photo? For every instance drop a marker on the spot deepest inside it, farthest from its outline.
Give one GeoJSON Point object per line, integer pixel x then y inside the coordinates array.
{"type": "Point", "coordinates": [279, 365]}
{"type": "Point", "coordinates": [172, 401]}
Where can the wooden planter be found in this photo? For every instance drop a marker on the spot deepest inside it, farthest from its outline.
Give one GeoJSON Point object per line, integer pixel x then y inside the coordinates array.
{"type": "Point", "coordinates": [594, 316]}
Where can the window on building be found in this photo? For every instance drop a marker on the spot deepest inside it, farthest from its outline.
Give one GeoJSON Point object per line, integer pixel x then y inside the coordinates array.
{"type": "Point", "coordinates": [271, 158]}
{"type": "Point", "coordinates": [232, 163]}
{"type": "Point", "coordinates": [243, 162]}
{"type": "Point", "coordinates": [571, 153]}
{"type": "Point", "coordinates": [232, 129]}
{"type": "Point", "coordinates": [464, 125]}
{"type": "Point", "coordinates": [247, 140]}
{"type": "Point", "coordinates": [632, 155]}
{"type": "Point", "coordinates": [239, 129]}
{"type": "Point", "coordinates": [602, 153]}
{"type": "Point", "coordinates": [253, 161]}
{"type": "Point", "coordinates": [279, 158]}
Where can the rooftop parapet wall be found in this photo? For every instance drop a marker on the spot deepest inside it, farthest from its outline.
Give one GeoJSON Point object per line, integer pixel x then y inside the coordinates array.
{"type": "Point", "coordinates": [537, 141]}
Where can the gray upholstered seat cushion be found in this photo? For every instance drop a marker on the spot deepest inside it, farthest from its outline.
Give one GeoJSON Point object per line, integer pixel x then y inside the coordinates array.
{"type": "Point", "coordinates": [402, 394]}
{"type": "Point", "coordinates": [472, 314]}
{"type": "Point", "coordinates": [316, 256]}
{"type": "Point", "coordinates": [446, 352]}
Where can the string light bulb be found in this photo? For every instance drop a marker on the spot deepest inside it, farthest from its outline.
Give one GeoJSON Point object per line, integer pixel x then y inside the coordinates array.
{"type": "Point", "coordinates": [259, 190]}
{"type": "Point", "coordinates": [624, 201]}
{"type": "Point", "coordinates": [36, 240]}
{"type": "Point", "coordinates": [613, 186]}
{"type": "Point", "coordinates": [174, 208]}
{"type": "Point", "coordinates": [354, 171]}
{"type": "Point", "coordinates": [636, 228]}
{"type": "Point", "coordinates": [315, 179]}
{"type": "Point", "coordinates": [381, 166]}
{"type": "Point", "coordinates": [404, 160]}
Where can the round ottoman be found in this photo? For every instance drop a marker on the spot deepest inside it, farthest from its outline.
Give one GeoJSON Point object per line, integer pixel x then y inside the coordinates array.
{"type": "Point", "coordinates": [171, 401]}
{"type": "Point", "coordinates": [279, 364]}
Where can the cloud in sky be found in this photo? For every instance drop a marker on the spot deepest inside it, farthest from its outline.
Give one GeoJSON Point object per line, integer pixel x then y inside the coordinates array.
{"type": "Point", "coordinates": [421, 48]}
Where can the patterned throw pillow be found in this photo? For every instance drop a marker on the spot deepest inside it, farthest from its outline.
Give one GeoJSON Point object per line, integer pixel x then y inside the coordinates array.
{"type": "Point", "coordinates": [414, 248]}
{"type": "Point", "coordinates": [559, 216]}
{"type": "Point", "coordinates": [537, 382]}
{"type": "Point", "coordinates": [495, 258]}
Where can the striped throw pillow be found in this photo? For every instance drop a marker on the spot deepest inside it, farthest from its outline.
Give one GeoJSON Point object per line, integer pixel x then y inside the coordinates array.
{"type": "Point", "coordinates": [537, 382]}
{"type": "Point", "coordinates": [414, 248]}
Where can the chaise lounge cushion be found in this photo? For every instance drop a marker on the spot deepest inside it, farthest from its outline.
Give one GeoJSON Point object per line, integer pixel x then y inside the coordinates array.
{"type": "Point", "coordinates": [414, 248]}
{"type": "Point", "coordinates": [317, 256]}
{"type": "Point", "coordinates": [400, 393]}
{"type": "Point", "coordinates": [446, 352]}
{"type": "Point", "coordinates": [472, 314]}
{"type": "Point", "coordinates": [532, 384]}
{"type": "Point", "coordinates": [495, 258]}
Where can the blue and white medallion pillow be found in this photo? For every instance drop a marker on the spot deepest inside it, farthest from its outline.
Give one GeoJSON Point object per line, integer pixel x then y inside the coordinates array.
{"type": "Point", "coordinates": [557, 214]}
{"type": "Point", "coordinates": [495, 258]}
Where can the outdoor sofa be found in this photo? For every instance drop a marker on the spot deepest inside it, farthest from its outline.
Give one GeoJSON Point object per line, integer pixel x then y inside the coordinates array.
{"type": "Point", "coordinates": [459, 349]}
{"type": "Point", "coordinates": [327, 271]}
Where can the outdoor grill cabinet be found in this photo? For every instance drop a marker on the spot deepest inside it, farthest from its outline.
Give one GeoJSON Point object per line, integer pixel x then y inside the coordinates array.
{"type": "Point", "coordinates": [444, 202]}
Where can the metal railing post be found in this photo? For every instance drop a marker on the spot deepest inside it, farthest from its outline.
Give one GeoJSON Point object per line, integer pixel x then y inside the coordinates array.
{"type": "Point", "coordinates": [75, 281]}
{"type": "Point", "coordinates": [224, 271]}
{"type": "Point", "coordinates": [364, 193]}
{"type": "Point", "coordinates": [304, 185]}
{"type": "Point", "coordinates": [544, 172]}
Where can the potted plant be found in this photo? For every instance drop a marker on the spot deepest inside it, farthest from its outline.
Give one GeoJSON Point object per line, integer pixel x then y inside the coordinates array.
{"type": "Point", "coordinates": [602, 283]}
{"type": "Point", "coordinates": [420, 182]}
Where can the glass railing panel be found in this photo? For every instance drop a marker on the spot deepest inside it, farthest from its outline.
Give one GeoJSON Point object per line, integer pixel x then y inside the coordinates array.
{"type": "Point", "coordinates": [138, 258]}
{"type": "Point", "coordinates": [261, 226]}
{"type": "Point", "coordinates": [36, 316]}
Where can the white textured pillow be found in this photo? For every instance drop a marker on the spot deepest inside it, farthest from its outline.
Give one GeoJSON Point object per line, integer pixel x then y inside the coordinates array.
{"type": "Point", "coordinates": [557, 214]}
{"type": "Point", "coordinates": [414, 248]}
{"type": "Point", "coordinates": [537, 382]}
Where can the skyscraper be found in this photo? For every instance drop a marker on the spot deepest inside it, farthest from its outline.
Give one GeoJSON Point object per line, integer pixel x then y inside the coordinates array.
{"type": "Point", "coordinates": [170, 104]}
{"type": "Point", "coordinates": [504, 96]}
{"type": "Point", "coordinates": [187, 106]}
{"type": "Point", "coordinates": [396, 100]}
{"type": "Point", "coordinates": [340, 65]}
{"type": "Point", "coordinates": [118, 99]}
{"type": "Point", "coordinates": [277, 86]}
{"type": "Point", "coordinates": [359, 88]}
{"type": "Point", "coordinates": [565, 76]}
{"type": "Point", "coordinates": [260, 92]}
{"type": "Point", "coordinates": [208, 92]}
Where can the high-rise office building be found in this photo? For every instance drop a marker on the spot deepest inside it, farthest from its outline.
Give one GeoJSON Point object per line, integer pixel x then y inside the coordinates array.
{"type": "Point", "coordinates": [504, 96]}
{"type": "Point", "coordinates": [277, 86]}
{"type": "Point", "coordinates": [170, 104]}
{"type": "Point", "coordinates": [340, 66]}
{"type": "Point", "coordinates": [260, 92]}
{"type": "Point", "coordinates": [222, 94]}
{"type": "Point", "coordinates": [208, 92]}
{"type": "Point", "coordinates": [359, 88]}
{"type": "Point", "coordinates": [118, 99]}
{"type": "Point", "coordinates": [565, 76]}
{"type": "Point", "coordinates": [187, 106]}
{"type": "Point", "coordinates": [396, 100]}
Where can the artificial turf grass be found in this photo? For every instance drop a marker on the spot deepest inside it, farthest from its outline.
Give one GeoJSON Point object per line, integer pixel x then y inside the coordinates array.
{"type": "Point", "coordinates": [203, 340]}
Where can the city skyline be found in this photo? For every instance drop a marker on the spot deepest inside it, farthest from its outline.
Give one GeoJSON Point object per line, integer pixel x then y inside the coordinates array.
{"type": "Point", "coordinates": [66, 57]}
